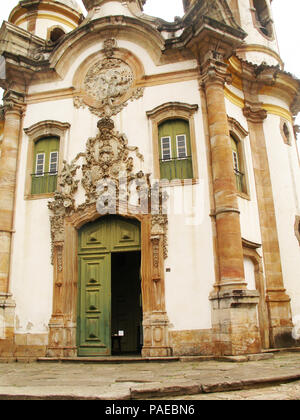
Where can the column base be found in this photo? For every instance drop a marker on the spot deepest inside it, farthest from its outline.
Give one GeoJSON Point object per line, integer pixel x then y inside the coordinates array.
{"type": "Point", "coordinates": [62, 338]}
{"type": "Point", "coordinates": [281, 324]}
{"type": "Point", "coordinates": [235, 322]}
{"type": "Point", "coordinates": [156, 335]}
{"type": "Point", "coordinates": [7, 317]}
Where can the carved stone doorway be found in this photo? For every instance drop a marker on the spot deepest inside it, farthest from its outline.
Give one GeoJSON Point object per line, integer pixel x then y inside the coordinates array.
{"type": "Point", "coordinates": [63, 325]}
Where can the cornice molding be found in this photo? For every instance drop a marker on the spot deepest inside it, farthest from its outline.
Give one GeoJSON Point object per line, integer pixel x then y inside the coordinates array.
{"type": "Point", "coordinates": [261, 49]}
{"type": "Point", "coordinates": [279, 111]}
{"type": "Point", "coordinates": [237, 128]}
{"type": "Point", "coordinates": [250, 244]}
{"type": "Point", "coordinates": [172, 106]}
{"type": "Point", "coordinates": [46, 128]}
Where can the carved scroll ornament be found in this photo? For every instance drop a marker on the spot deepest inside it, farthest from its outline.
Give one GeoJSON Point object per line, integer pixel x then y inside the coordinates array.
{"type": "Point", "coordinates": [107, 161]}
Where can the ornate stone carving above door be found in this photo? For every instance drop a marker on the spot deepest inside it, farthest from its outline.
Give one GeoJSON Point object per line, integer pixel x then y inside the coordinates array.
{"type": "Point", "coordinates": [108, 162]}
{"type": "Point", "coordinates": [107, 82]}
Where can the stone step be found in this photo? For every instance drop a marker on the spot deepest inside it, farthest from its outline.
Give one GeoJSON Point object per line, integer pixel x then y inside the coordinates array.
{"type": "Point", "coordinates": [111, 359]}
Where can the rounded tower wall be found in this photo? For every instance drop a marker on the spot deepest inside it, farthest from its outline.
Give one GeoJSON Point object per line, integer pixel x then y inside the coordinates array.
{"type": "Point", "coordinates": [261, 42]}
{"type": "Point", "coordinates": [41, 18]}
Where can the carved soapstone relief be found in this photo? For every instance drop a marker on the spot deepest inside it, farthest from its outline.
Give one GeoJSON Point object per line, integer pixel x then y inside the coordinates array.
{"type": "Point", "coordinates": [105, 171]}
{"type": "Point", "coordinates": [159, 227]}
{"type": "Point", "coordinates": [108, 84]}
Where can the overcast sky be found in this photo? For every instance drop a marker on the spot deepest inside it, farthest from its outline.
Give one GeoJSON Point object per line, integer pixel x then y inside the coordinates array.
{"type": "Point", "coordinates": [286, 15]}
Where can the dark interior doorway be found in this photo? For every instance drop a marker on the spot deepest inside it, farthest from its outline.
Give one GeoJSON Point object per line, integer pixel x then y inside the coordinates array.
{"type": "Point", "coordinates": [126, 303]}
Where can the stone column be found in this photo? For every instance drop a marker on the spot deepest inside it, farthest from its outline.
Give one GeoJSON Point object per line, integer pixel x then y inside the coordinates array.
{"type": "Point", "coordinates": [13, 108]}
{"type": "Point", "coordinates": [278, 302]}
{"type": "Point", "coordinates": [224, 183]}
{"type": "Point", "coordinates": [234, 314]}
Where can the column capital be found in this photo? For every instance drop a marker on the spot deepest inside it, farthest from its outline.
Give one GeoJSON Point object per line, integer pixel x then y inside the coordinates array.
{"type": "Point", "coordinates": [14, 102]}
{"type": "Point", "coordinates": [254, 112]}
{"type": "Point", "coordinates": [214, 69]}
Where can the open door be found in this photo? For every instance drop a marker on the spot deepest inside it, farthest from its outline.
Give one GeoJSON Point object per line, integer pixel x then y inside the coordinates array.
{"type": "Point", "coordinates": [126, 303]}
{"type": "Point", "coordinates": [109, 258]}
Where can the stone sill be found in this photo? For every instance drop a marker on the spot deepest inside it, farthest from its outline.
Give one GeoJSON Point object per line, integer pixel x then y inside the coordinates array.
{"type": "Point", "coordinates": [39, 196]}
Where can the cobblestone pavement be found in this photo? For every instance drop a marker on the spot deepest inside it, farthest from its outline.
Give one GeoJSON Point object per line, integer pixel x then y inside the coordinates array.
{"type": "Point", "coordinates": [150, 380]}
{"type": "Point", "coordinates": [284, 392]}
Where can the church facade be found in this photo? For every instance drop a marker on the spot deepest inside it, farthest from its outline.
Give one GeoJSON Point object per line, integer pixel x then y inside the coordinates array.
{"type": "Point", "coordinates": [149, 181]}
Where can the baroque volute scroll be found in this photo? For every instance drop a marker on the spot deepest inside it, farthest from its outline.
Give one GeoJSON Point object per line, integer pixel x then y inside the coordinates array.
{"type": "Point", "coordinates": [108, 85]}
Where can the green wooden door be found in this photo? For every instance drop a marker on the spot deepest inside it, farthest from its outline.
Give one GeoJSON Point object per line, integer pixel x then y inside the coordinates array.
{"type": "Point", "coordinates": [97, 241]}
{"type": "Point", "coordinates": [94, 315]}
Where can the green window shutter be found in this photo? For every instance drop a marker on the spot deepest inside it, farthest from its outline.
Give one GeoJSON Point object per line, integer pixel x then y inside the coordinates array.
{"type": "Point", "coordinates": [175, 150]}
{"type": "Point", "coordinates": [45, 166]}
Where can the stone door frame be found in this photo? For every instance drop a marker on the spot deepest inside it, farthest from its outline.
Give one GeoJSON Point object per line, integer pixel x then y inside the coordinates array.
{"type": "Point", "coordinates": [63, 323]}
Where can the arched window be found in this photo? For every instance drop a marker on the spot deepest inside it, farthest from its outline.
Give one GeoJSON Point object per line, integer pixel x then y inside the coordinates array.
{"type": "Point", "coordinates": [55, 34]}
{"type": "Point", "coordinates": [286, 133]}
{"type": "Point", "coordinates": [263, 18]}
{"type": "Point", "coordinates": [45, 166]}
{"type": "Point", "coordinates": [238, 164]}
{"type": "Point", "coordinates": [175, 150]}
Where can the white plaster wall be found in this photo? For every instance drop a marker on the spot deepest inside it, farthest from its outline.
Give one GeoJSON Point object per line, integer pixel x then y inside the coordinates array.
{"type": "Point", "coordinates": [42, 26]}
{"type": "Point", "coordinates": [191, 257]}
{"type": "Point", "coordinates": [272, 100]}
{"type": "Point", "coordinates": [31, 266]}
{"type": "Point", "coordinates": [96, 46]}
{"type": "Point", "coordinates": [32, 274]}
{"type": "Point", "coordinates": [249, 273]}
{"type": "Point", "coordinates": [285, 177]}
{"type": "Point", "coordinates": [258, 58]}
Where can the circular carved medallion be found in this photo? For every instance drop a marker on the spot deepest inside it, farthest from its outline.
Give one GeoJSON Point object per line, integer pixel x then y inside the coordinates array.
{"type": "Point", "coordinates": [107, 80]}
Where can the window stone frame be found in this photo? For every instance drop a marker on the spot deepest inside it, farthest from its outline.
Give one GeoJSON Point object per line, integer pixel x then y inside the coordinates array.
{"type": "Point", "coordinates": [297, 228]}
{"type": "Point", "coordinates": [171, 111]}
{"type": "Point", "coordinates": [270, 37]}
{"type": "Point", "coordinates": [239, 133]}
{"type": "Point", "coordinates": [47, 128]}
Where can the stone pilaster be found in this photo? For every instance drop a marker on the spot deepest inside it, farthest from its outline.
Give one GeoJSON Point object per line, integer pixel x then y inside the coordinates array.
{"type": "Point", "coordinates": [13, 108]}
{"type": "Point", "coordinates": [230, 250]}
{"type": "Point", "coordinates": [234, 309]}
{"type": "Point", "coordinates": [155, 319]}
{"type": "Point", "coordinates": [278, 302]}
